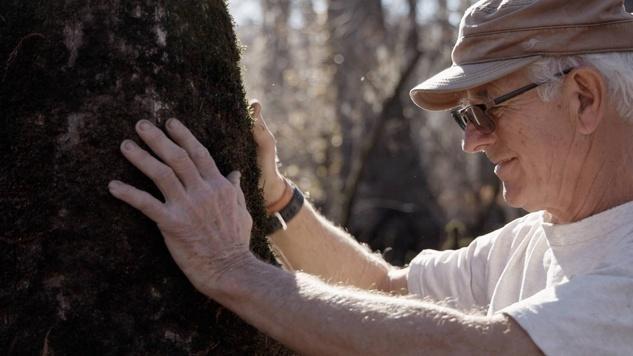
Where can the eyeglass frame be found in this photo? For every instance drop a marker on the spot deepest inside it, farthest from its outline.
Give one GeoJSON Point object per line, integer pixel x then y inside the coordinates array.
{"type": "Point", "coordinates": [460, 113]}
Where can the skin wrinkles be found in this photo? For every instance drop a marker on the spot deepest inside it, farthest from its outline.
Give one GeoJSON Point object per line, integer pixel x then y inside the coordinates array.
{"type": "Point", "coordinates": [580, 177]}
{"type": "Point", "coordinates": [517, 136]}
{"type": "Point", "coordinates": [563, 150]}
{"type": "Point", "coordinates": [578, 192]}
{"type": "Point", "coordinates": [595, 185]}
{"type": "Point", "coordinates": [315, 318]}
{"type": "Point", "coordinates": [565, 199]}
{"type": "Point", "coordinates": [569, 174]}
{"type": "Point", "coordinates": [207, 232]}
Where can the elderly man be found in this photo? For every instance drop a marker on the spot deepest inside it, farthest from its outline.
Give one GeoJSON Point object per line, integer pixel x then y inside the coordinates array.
{"type": "Point", "coordinates": [543, 88]}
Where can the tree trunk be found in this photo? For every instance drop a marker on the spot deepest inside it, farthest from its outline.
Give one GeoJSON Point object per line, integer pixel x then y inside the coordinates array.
{"type": "Point", "coordinates": [276, 15]}
{"type": "Point", "coordinates": [355, 27]}
{"type": "Point", "coordinates": [80, 272]}
{"type": "Point", "coordinates": [387, 185]}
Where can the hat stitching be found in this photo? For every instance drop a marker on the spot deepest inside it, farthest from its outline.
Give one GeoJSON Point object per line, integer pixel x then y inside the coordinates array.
{"type": "Point", "coordinates": [494, 8]}
{"type": "Point", "coordinates": [473, 77]}
{"type": "Point", "coordinates": [504, 64]}
{"type": "Point", "coordinates": [553, 27]}
{"type": "Point", "coordinates": [552, 53]}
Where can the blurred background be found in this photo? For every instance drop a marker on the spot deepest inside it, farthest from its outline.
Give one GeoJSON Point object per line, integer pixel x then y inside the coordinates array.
{"type": "Point", "coordinates": [333, 77]}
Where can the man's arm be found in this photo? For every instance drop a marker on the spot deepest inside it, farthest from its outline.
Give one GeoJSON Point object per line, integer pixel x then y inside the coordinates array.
{"type": "Point", "coordinates": [315, 318]}
{"type": "Point", "coordinates": [206, 228]}
{"type": "Point", "coordinates": [313, 244]}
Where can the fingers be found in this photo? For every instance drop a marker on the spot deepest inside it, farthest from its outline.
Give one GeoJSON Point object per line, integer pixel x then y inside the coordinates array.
{"type": "Point", "coordinates": [197, 152]}
{"type": "Point", "coordinates": [143, 201]}
{"type": "Point", "coordinates": [255, 108]}
{"type": "Point", "coordinates": [234, 178]}
{"type": "Point", "coordinates": [260, 130]}
{"type": "Point", "coordinates": [264, 138]}
{"type": "Point", "coordinates": [176, 158]}
{"type": "Point", "coordinates": [162, 175]}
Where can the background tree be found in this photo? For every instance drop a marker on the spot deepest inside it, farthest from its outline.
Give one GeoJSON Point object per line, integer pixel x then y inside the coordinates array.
{"type": "Point", "coordinates": [390, 173]}
{"type": "Point", "coordinates": [356, 31]}
{"type": "Point", "coordinates": [80, 272]}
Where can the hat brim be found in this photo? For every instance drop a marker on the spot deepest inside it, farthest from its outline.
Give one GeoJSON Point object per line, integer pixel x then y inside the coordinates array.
{"type": "Point", "coordinates": [444, 90]}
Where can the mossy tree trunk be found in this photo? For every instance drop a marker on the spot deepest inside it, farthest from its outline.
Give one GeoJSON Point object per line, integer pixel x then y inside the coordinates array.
{"type": "Point", "coordinates": [80, 272]}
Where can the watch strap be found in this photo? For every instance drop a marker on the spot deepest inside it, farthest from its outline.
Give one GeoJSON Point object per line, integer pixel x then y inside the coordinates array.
{"type": "Point", "coordinates": [278, 221]}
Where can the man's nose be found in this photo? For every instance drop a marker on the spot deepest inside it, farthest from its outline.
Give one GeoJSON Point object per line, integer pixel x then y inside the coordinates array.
{"type": "Point", "coordinates": [475, 141]}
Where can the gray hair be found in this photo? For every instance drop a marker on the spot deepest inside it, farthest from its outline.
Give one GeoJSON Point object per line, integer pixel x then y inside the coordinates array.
{"type": "Point", "coordinates": [616, 68]}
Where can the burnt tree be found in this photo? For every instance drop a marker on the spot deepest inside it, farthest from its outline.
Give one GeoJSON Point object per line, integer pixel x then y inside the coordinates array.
{"type": "Point", "coordinates": [80, 272]}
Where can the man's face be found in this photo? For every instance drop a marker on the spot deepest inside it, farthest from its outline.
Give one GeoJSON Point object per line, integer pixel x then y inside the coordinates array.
{"type": "Point", "coordinates": [531, 146]}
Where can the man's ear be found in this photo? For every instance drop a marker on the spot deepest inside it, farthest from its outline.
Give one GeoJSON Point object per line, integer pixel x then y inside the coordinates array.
{"type": "Point", "coordinates": [588, 92]}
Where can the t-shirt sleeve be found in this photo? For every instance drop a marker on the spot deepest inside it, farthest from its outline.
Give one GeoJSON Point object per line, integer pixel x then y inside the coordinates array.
{"type": "Point", "coordinates": [588, 315]}
{"type": "Point", "coordinates": [455, 276]}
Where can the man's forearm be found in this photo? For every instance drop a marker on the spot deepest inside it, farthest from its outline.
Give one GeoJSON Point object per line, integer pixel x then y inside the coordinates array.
{"type": "Point", "coordinates": [314, 245]}
{"type": "Point", "coordinates": [316, 318]}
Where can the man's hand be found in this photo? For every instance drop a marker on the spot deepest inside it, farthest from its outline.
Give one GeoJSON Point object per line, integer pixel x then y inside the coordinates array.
{"type": "Point", "coordinates": [204, 219]}
{"type": "Point", "coordinates": [271, 182]}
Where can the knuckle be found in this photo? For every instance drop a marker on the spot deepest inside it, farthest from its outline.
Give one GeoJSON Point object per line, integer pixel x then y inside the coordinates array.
{"type": "Point", "coordinates": [178, 156]}
{"type": "Point", "coordinates": [227, 192]}
{"type": "Point", "coordinates": [200, 153]}
{"type": "Point", "coordinates": [205, 192]}
{"type": "Point", "coordinates": [139, 154]}
{"type": "Point", "coordinates": [164, 174]}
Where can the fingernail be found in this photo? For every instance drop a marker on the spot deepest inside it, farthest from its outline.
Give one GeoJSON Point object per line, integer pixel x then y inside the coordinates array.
{"type": "Point", "coordinates": [129, 145]}
{"type": "Point", "coordinates": [114, 185]}
{"type": "Point", "coordinates": [144, 125]}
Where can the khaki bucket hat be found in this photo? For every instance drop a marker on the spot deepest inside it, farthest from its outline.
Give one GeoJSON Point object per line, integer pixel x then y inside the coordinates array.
{"type": "Point", "coordinates": [498, 37]}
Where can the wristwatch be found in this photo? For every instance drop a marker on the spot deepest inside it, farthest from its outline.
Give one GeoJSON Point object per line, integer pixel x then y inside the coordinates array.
{"type": "Point", "coordinates": [278, 220]}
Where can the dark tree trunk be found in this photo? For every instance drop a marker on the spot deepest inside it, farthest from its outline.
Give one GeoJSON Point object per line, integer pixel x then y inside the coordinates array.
{"type": "Point", "coordinates": [387, 184]}
{"type": "Point", "coordinates": [80, 272]}
{"type": "Point", "coordinates": [354, 26]}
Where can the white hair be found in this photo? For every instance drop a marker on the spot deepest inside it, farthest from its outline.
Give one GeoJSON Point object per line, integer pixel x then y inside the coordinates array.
{"type": "Point", "coordinates": [616, 68]}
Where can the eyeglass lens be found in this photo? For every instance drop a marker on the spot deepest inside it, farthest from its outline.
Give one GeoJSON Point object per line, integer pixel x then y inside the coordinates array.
{"type": "Point", "coordinates": [476, 115]}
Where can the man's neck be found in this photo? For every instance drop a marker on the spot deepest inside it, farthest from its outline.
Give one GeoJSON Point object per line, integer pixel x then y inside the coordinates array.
{"type": "Point", "coordinates": [606, 178]}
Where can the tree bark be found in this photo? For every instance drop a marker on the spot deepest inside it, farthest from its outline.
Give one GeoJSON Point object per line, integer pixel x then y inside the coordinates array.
{"type": "Point", "coordinates": [80, 272]}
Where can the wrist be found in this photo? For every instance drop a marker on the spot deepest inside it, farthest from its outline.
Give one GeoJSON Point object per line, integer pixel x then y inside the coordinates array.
{"type": "Point", "coordinates": [274, 190]}
{"type": "Point", "coordinates": [228, 282]}
{"type": "Point", "coordinates": [284, 210]}
{"type": "Point", "coordinates": [283, 201]}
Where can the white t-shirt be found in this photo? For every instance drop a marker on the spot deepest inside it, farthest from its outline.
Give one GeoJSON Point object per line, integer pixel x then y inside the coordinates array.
{"type": "Point", "coordinates": [569, 286]}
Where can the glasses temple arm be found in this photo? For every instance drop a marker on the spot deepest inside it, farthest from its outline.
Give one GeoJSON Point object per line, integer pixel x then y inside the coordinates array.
{"type": "Point", "coordinates": [514, 93]}
{"type": "Point", "coordinates": [526, 88]}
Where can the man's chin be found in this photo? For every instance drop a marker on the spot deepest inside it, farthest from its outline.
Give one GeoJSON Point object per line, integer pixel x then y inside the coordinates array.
{"type": "Point", "coordinates": [511, 197]}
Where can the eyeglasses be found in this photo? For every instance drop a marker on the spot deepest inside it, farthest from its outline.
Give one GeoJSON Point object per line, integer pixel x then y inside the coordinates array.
{"type": "Point", "coordinates": [479, 114]}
